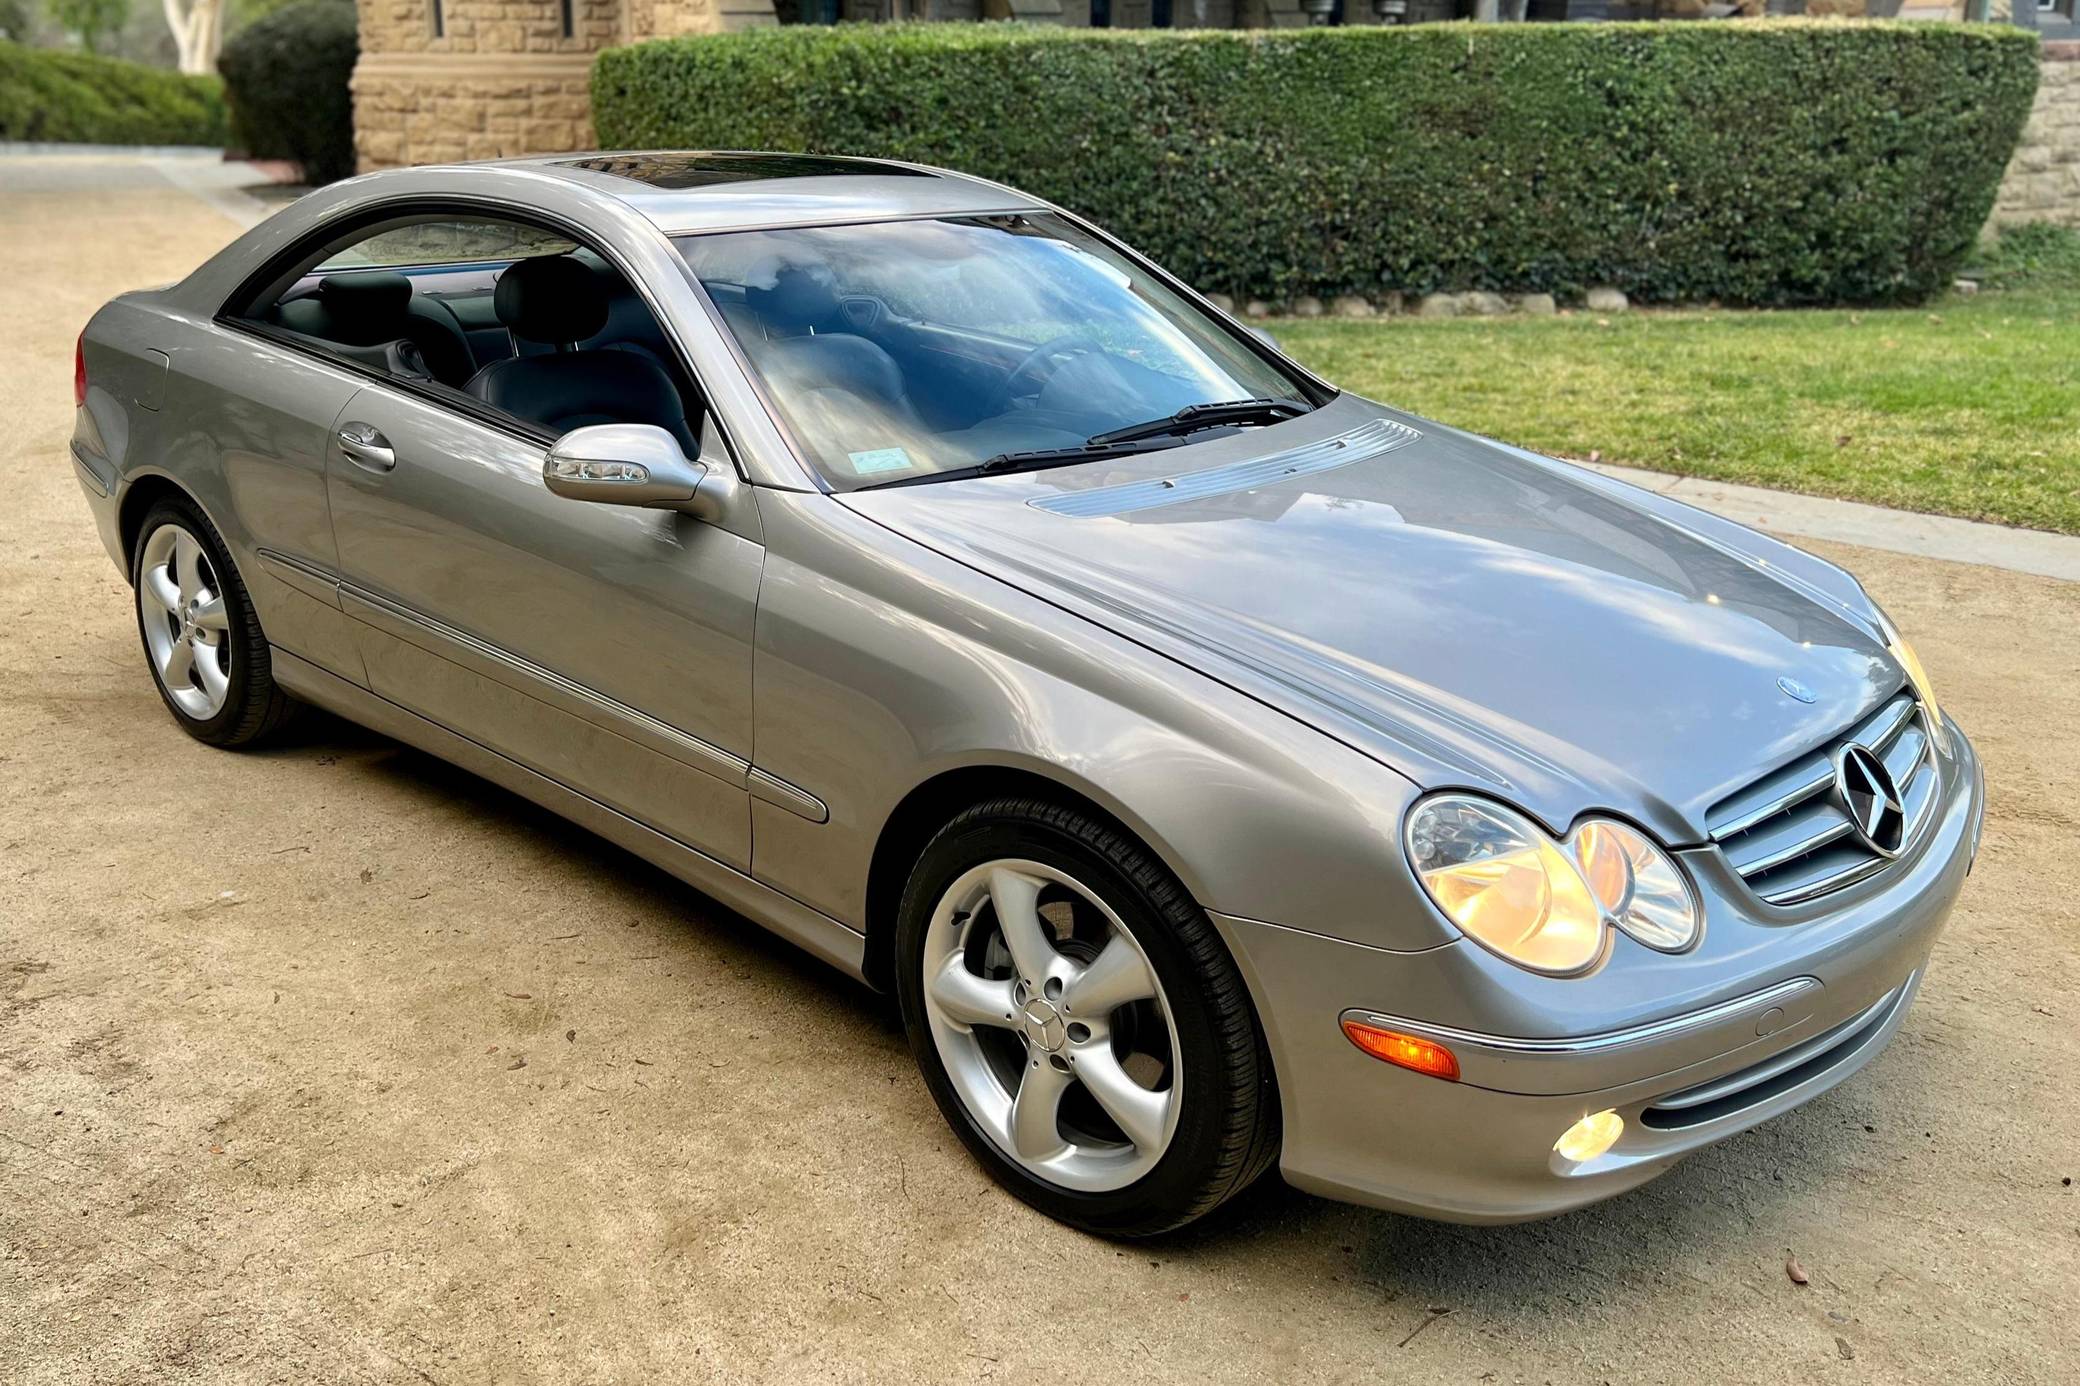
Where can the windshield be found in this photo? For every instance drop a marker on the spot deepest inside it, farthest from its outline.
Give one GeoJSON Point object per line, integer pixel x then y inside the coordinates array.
{"type": "Point", "coordinates": [899, 350]}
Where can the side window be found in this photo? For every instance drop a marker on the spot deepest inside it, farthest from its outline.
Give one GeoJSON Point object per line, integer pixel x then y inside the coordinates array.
{"type": "Point", "coordinates": [463, 241]}
{"type": "Point", "coordinates": [508, 315]}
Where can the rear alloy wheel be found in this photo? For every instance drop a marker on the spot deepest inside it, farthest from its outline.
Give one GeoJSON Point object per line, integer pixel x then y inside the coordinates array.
{"type": "Point", "coordinates": [180, 606]}
{"type": "Point", "coordinates": [1079, 1022]}
{"type": "Point", "coordinates": [206, 651]}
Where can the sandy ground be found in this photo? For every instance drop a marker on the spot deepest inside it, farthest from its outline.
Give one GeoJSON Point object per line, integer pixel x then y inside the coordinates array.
{"type": "Point", "coordinates": [335, 1064]}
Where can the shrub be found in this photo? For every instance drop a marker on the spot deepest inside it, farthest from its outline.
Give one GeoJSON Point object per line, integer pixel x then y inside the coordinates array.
{"type": "Point", "coordinates": [1776, 162]}
{"type": "Point", "coordinates": [78, 98]}
{"type": "Point", "coordinates": [286, 77]}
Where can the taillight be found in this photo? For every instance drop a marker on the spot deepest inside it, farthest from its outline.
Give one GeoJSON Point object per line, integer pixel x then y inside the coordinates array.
{"type": "Point", "coordinates": [79, 371]}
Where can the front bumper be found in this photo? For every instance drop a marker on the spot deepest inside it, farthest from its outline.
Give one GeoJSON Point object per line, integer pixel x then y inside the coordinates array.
{"type": "Point", "coordinates": [1787, 1010]}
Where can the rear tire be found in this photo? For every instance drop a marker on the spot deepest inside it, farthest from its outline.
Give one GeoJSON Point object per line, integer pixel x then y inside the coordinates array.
{"type": "Point", "coordinates": [202, 641]}
{"type": "Point", "coordinates": [1079, 1021]}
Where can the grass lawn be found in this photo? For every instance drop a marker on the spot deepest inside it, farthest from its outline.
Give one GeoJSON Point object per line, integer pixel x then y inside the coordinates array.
{"type": "Point", "coordinates": [1969, 406]}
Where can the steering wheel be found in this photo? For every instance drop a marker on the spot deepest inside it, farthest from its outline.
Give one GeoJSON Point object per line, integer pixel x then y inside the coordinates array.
{"type": "Point", "coordinates": [1051, 354]}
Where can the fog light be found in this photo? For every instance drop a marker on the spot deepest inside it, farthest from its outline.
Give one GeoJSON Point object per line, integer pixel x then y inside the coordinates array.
{"type": "Point", "coordinates": [1404, 1051]}
{"type": "Point", "coordinates": [1590, 1137]}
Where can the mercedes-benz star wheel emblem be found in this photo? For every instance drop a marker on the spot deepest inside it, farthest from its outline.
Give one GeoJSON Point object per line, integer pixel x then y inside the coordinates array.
{"type": "Point", "coordinates": [1871, 799]}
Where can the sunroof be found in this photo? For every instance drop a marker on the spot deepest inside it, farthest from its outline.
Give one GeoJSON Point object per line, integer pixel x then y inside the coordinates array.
{"type": "Point", "coordinates": [681, 171]}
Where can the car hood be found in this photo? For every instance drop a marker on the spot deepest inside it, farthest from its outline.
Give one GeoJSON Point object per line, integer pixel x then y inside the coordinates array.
{"type": "Point", "coordinates": [1469, 614]}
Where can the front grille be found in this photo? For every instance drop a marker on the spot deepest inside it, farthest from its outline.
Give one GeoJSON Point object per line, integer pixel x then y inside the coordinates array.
{"type": "Point", "coordinates": [1736, 1092]}
{"type": "Point", "coordinates": [1788, 834]}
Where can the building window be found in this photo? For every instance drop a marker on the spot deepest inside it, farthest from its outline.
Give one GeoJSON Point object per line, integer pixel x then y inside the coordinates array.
{"type": "Point", "coordinates": [440, 22]}
{"type": "Point", "coordinates": [570, 21]}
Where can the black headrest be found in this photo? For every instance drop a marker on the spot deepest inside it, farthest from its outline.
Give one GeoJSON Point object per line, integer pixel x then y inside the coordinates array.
{"type": "Point", "coordinates": [801, 297]}
{"type": "Point", "coordinates": [552, 299]}
{"type": "Point", "coordinates": [365, 296]}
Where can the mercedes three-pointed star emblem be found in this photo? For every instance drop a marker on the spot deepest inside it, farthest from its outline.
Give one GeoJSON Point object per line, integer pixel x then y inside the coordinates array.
{"type": "Point", "coordinates": [1871, 799]}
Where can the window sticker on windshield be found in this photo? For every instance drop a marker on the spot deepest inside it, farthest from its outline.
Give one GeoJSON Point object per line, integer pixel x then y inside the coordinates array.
{"type": "Point", "coordinates": [880, 460]}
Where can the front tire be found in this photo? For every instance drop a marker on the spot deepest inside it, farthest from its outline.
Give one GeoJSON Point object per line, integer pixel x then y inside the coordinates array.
{"type": "Point", "coordinates": [202, 640]}
{"type": "Point", "coordinates": [1080, 1023]}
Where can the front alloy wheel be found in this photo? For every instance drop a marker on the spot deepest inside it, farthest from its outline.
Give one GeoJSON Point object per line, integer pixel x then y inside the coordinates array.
{"type": "Point", "coordinates": [1051, 1025]}
{"type": "Point", "coordinates": [1079, 1022]}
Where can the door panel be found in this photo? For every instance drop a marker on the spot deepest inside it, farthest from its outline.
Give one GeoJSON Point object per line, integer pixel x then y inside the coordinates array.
{"type": "Point", "coordinates": [606, 646]}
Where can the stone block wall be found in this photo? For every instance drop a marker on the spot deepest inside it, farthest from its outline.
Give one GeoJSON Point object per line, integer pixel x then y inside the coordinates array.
{"type": "Point", "coordinates": [498, 78]}
{"type": "Point", "coordinates": [2043, 179]}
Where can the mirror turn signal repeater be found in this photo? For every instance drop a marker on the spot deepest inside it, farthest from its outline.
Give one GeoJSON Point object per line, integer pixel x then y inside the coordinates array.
{"type": "Point", "coordinates": [1411, 1052]}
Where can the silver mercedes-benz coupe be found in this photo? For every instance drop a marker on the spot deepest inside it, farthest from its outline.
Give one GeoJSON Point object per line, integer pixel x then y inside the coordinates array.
{"type": "Point", "coordinates": [1220, 769]}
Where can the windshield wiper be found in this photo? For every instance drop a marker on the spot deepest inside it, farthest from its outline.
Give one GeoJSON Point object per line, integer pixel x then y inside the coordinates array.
{"type": "Point", "coordinates": [1038, 458]}
{"type": "Point", "coordinates": [1197, 416]}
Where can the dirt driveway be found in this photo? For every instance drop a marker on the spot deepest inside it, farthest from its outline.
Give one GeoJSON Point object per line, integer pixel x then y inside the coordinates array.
{"type": "Point", "coordinates": [333, 1064]}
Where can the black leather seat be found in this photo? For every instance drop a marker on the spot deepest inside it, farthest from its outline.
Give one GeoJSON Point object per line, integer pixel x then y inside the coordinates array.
{"type": "Point", "coordinates": [558, 301]}
{"type": "Point", "coordinates": [806, 343]}
{"type": "Point", "coordinates": [366, 308]}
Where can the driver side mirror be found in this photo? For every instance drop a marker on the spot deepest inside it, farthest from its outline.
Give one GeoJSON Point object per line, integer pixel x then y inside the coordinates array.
{"type": "Point", "coordinates": [629, 464]}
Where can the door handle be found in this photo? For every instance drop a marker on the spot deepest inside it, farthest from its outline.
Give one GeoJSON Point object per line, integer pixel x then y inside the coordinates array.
{"type": "Point", "coordinates": [364, 446]}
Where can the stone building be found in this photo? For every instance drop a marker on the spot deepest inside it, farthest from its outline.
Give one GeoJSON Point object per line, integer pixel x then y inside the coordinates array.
{"type": "Point", "coordinates": [479, 79]}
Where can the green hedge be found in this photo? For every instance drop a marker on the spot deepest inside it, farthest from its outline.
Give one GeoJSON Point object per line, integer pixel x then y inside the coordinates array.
{"type": "Point", "coordinates": [66, 97]}
{"type": "Point", "coordinates": [286, 77]}
{"type": "Point", "coordinates": [1774, 162]}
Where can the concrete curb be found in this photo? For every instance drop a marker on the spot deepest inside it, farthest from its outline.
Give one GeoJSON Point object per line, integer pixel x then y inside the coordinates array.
{"type": "Point", "coordinates": [1870, 526]}
{"type": "Point", "coordinates": [221, 185]}
{"type": "Point", "coordinates": [11, 148]}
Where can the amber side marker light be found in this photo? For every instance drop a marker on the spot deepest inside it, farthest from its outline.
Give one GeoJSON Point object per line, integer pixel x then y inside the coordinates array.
{"type": "Point", "coordinates": [1404, 1051]}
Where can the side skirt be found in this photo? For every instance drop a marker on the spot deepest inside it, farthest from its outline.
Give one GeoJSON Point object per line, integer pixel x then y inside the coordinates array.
{"type": "Point", "coordinates": [828, 939]}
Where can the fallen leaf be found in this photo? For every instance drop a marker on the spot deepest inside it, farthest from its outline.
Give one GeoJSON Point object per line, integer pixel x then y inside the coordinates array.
{"type": "Point", "coordinates": [1797, 1272]}
{"type": "Point", "coordinates": [520, 1062]}
{"type": "Point", "coordinates": [492, 1050]}
{"type": "Point", "coordinates": [571, 1035]}
{"type": "Point", "coordinates": [518, 995]}
{"type": "Point", "coordinates": [367, 875]}
{"type": "Point", "coordinates": [1843, 440]}
{"type": "Point", "coordinates": [216, 1150]}
{"type": "Point", "coordinates": [1841, 1345]}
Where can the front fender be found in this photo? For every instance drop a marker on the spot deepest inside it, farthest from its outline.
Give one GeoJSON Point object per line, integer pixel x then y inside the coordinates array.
{"type": "Point", "coordinates": [882, 665]}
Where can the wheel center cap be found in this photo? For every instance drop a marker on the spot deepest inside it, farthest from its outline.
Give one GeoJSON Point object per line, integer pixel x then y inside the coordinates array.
{"type": "Point", "coordinates": [1043, 1026]}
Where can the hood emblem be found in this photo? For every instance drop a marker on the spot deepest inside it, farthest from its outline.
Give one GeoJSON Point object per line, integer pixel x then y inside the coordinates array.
{"type": "Point", "coordinates": [1867, 792]}
{"type": "Point", "coordinates": [1796, 689]}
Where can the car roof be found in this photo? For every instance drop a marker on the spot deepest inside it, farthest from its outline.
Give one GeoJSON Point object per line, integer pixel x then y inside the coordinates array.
{"type": "Point", "coordinates": [686, 191]}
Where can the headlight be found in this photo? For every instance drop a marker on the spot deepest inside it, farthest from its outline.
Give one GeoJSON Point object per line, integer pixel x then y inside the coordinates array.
{"type": "Point", "coordinates": [1540, 903]}
{"type": "Point", "coordinates": [1896, 645]}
